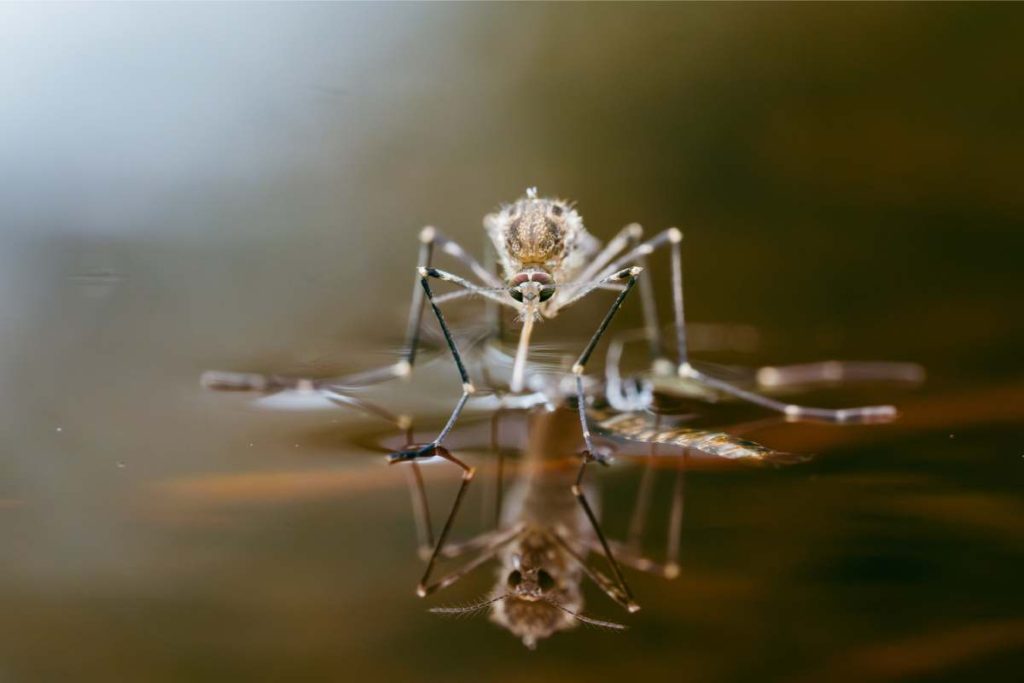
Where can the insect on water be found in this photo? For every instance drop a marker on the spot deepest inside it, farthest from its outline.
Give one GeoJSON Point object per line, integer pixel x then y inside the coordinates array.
{"type": "Point", "coordinates": [549, 261]}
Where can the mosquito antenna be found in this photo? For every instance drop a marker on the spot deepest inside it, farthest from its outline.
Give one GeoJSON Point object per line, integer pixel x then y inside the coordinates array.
{"type": "Point", "coordinates": [471, 608]}
{"type": "Point", "coordinates": [609, 625]}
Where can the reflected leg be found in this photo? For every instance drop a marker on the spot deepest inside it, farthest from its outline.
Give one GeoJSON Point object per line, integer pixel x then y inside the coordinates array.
{"type": "Point", "coordinates": [630, 275]}
{"type": "Point", "coordinates": [631, 555]}
{"type": "Point", "coordinates": [499, 484]}
{"type": "Point", "coordinates": [490, 544]}
{"type": "Point", "coordinates": [631, 552]}
{"type": "Point", "coordinates": [642, 505]}
{"type": "Point", "coordinates": [603, 582]}
{"type": "Point", "coordinates": [424, 586]}
{"type": "Point", "coordinates": [421, 511]}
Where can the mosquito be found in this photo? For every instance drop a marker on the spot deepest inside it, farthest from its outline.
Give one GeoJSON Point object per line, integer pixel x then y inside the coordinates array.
{"type": "Point", "coordinates": [546, 261]}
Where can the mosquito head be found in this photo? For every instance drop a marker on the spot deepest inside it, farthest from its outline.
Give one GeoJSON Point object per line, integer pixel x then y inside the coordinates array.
{"type": "Point", "coordinates": [537, 595]}
{"type": "Point", "coordinates": [531, 287]}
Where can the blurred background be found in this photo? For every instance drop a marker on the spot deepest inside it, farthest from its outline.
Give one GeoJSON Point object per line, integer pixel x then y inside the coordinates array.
{"type": "Point", "coordinates": [240, 187]}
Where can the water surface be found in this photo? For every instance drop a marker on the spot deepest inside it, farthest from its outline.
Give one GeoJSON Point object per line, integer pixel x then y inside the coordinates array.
{"type": "Point", "coordinates": [240, 187]}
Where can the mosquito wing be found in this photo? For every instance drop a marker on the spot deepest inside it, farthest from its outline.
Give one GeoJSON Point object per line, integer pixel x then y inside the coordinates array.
{"type": "Point", "coordinates": [638, 427]}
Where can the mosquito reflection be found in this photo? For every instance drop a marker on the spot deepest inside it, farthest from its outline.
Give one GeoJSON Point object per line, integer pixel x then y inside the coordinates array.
{"type": "Point", "coordinates": [543, 540]}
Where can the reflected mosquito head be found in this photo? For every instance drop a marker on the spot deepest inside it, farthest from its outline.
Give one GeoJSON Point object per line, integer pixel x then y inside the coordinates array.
{"type": "Point", "coordinates": [530, 583]}
{"type": "Point", "coordinates": [537, 604]}
{"type": "Point", "coordinates": [541, 596]}
{"type": "Point", "coordinates": [538, 594]}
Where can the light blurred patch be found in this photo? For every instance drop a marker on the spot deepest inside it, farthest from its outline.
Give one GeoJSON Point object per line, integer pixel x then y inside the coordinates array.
{"type": "Point", "coordinates": [258, 488]}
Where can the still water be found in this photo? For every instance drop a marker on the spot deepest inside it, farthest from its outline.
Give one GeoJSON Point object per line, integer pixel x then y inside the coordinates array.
{"type": "Point", "coordinates": [240, 187]}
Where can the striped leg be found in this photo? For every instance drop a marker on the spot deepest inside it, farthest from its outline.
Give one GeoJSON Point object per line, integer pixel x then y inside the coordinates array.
{"type": "Point", "coordinates": [630, 275]}
{"type": "Point", "coordinates": [467, 386]}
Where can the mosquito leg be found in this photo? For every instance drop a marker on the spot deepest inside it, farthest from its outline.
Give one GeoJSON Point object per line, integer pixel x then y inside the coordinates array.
{"type": "Point", "coordinates": [421, 510]}
{"type": "Point", "coordinates": [632, 394]}
{"type": "Point", "coordinates": [452, 248]}
{"type": "Point", "coordinates": [595, 575]}
{"type": "Point", "coordinates": [642, 506]}
{"type": "Point", "coordinates": [336, 388]}
{"type": "Point", "coordinates": [492, 501]}
{"type": "Point", "coordinates": [652, 329]}
{"type": "Point", "coordinates": [572, 294]}
{"type": "Point", "coordinates": [494, 543]}
{"type": "Point", "coordinates": [679, 317]}
{"type": "Point", "coordinates": [790, 410]}
{"type": "Point", "coordinates": [496, 295]}
{"type": "Point", "coordinates": [500, 470]}
{"type": "Point", "coordinates": [219, 380]}
{"type": "Point", "coordinates": [625, 239]}
{"type": "Point", "coordinates": [577, 488]}
{"type": "Point", "coordinates": [630, 275]}
{"type": "Point", "coordinates": [467, 477]}
{"type": "Point", "coordinates": [630, 237]}
{"type": "Point", "coordinates": [832, 371]}
{"type": "Point", "coordinates": [467, 385]}
{"type": "Point", "coordinates": [429, 237]}
{"type": "Point", "coordinates": [633, 557]}
{"type": "Point", "coordinates": [675, 523]}
{"type": "Point", "coordinates": [674, 237]}
{"type": "Point", "coordinates": [403, 422]}
{"type": "Point", "coordinates": [610, 287]}
{"type": "Point", "coordinates": [631, 553]}
{"type": "Point", "coordinates": [270, 384]}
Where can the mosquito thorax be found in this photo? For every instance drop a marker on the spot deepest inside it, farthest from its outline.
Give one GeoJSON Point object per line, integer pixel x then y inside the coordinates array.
{"type": "Point", "coordinates": [535, 233]}
{"type": "Point", "coordinates": [531, 286]}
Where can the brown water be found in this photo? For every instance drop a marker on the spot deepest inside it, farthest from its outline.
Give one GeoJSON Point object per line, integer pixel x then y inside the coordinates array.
{"type": "Point", "coordinates": [240, 186]}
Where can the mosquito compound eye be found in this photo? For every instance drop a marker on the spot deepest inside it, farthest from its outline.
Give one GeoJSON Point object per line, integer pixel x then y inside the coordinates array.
{"type": "Point", "coordinates": [545, 581]}
{"type": "Point", "coordinates": [516, 294]}
{"type": "Point", "coordinates": [546, 293]}
{"type": "Point", "coordinates": [515, 578]}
